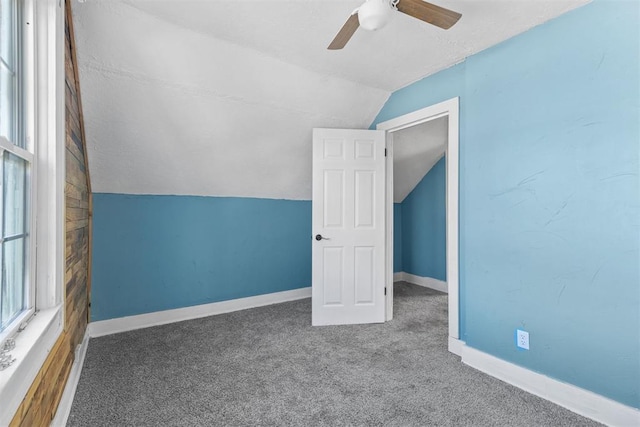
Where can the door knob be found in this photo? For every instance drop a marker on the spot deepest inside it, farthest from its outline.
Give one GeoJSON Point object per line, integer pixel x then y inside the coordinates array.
{"type": "Point", "coordinates": [319, 237]}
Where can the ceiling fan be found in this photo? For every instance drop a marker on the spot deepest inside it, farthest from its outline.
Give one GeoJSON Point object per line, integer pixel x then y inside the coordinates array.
{"type": "Point", "coordinates": [374, 14]}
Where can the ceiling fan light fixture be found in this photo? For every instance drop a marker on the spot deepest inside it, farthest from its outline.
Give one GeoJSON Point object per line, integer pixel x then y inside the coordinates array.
{"type": "Point", "coordinates": [374, 14]}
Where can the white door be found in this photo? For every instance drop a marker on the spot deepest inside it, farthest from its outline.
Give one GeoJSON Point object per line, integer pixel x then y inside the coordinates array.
{"type": "Point", "coordinates": [348, 225]}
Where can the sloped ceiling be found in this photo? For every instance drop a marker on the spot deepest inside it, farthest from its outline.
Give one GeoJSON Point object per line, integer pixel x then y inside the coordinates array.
{"type": "Point", "coordinates": [415, 150]}
{"type": "Point", "coordinates": [218, 98]}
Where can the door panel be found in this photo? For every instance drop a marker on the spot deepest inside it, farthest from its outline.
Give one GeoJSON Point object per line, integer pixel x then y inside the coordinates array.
{"type": "Point", "coordinates": [365, 199]}
{"type": "Point", "coordinates": [333, 199]}
{"type": "Point", "coordinates": [364, 149]}
{"type": "Point", "coordinates": [333, 273]}
{"type": "Point", "coordinates": [348, 269]}
{"type": "Point", "coordinates": [364, 274]}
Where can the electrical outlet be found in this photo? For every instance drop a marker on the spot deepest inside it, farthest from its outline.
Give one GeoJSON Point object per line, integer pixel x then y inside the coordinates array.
{"type": "Point", "coordinates": [522, 339]}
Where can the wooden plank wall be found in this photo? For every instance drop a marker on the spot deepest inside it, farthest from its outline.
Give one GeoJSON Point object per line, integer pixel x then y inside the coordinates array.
{"type": "Point", "coordinates": [40, 404]}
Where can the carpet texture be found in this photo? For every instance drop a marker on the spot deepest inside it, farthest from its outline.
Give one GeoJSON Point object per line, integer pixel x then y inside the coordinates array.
{"type": "Point", "coordinates": [268, 366]}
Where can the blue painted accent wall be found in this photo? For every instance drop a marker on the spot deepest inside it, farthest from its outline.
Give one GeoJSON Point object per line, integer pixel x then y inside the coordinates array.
{"type": "Point", "coordinates": [397, 238]}
{"type": "Point", "coordinates": [154, 253]}
{"type": "Point", "coordinates": [550, 195]}
{"type": "Point", "coordinates": [424, 221]}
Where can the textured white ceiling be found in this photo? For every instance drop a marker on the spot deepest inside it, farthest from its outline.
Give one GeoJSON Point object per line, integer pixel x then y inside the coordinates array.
{"type": "Point", "coordinates": [415, 150]}
{"type": "Point", "coordinates": [219, 97]}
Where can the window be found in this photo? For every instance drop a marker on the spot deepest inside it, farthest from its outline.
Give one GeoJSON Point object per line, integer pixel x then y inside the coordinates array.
{"type": "Point", "coordinates": [32, 138]}
{"type": "Point", "coordinates": [16, 292]}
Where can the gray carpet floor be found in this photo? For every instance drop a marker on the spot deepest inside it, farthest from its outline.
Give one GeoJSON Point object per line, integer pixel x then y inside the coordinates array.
{"type": "Point", "coordinates": [268, 366]}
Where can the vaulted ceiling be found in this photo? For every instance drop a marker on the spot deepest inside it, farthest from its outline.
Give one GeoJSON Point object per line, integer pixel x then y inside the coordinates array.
{"type": "Point", "coordinates": [218, 98]}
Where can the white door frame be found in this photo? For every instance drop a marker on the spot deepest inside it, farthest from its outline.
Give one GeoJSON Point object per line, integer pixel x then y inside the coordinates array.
{"type": "Point", "coordinates": [450, 109]}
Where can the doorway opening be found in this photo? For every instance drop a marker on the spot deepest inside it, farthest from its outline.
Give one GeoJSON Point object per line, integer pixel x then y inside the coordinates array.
{"type": "Point", "coordinates": [400, 128]}
{"type": "Point", "coordinates": [419, 204]}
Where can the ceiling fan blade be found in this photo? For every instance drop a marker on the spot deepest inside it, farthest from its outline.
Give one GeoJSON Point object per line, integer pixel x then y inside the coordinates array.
{"type": "Point", "coordinates": [427, 12]}
{"type": "Point", "coordinates": [345, 33]}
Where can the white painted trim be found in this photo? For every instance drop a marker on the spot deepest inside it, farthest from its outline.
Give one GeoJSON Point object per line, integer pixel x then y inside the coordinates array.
{"type": "Point", "coordinates": [390, 277]}
{"type": "Point", "coordinates": [427, 282]}
{"type": "Point", "coordinates": [130, 323]}
{"type": "Point", "coordinates": [451, 109]}
{"type": "Point", "coordinates": [398, 276]}
{"type": "Point", "coordinates": [455, 346]}
{"type": "Point", "coordinates": [417, 117]}
{"type": "Point", "coordinates": [33, 346]}
{"type": "Point", "coordinates": [49, 133]}
{"type": "Point", "coordinates": [64, 407]}
{"type": "Point", "coordinates": [575, 399]}
{"type": "Point", "coordinates": [6, 145]}
{"type": "Point", "coordinates": [453, 217]}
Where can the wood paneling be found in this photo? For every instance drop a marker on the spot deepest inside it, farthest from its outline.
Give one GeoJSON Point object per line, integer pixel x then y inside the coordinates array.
{"type": "Point", "coordinates": [40, 404]}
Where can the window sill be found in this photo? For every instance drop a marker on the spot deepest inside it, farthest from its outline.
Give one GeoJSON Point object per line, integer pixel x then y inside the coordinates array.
{"type": "Point", "coordinates": [32, 348]}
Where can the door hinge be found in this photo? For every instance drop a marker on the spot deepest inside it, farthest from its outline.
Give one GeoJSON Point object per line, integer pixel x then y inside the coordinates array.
{"type": "Point", "coordinates": [385, 152]}
{"type": "Point", "coordinates": [385, 290]}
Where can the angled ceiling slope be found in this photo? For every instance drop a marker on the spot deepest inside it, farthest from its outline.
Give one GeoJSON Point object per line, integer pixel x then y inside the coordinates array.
{"type": "Point", "coordinates": [218, 98]}
{"type": "Point", "coordinates": [415, 151]}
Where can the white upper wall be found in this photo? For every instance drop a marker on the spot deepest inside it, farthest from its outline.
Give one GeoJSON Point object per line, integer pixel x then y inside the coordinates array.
{"type": "Point", "coordinates": [218, 98]}
{"type": "Point", "coordinates": [171, 111]}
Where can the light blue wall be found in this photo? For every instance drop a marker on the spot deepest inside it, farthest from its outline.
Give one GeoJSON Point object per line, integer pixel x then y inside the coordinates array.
{"type": "Point", "coordinates": [397, 238]}
{"type": "Point", "coordinates": [154, 253]}
{"type": "Point", "coordinates": [550, 195]}
{"type": "Point", "coordinates": [424, 243]}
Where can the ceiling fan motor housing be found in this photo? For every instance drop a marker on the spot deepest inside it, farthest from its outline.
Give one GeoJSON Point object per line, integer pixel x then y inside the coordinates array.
{"type": "Point", "coordinates": [374, 14]}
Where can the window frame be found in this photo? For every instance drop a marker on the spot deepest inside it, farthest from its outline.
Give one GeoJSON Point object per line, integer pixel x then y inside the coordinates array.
{"type": "Point", "coordinates": [43, 36]}
{"type": "Point", "coordinates": [22, 67]}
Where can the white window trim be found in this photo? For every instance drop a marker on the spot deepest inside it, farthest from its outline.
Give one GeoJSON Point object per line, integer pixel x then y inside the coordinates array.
{"type": "Point", "coordinates": [45, 123]}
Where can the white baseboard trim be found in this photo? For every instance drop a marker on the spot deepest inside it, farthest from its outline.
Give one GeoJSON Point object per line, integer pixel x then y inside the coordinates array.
{"type": "Point", "coordinates": [575, 399]}
{"type": "Point", "coordinates": [455, 346]}
{"type": "Point", "coordinates": [130, 323]}
{"type": "Point", "coordinates": [427, 282]}
{"type": "Point", "coordinates": [64, 407]}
